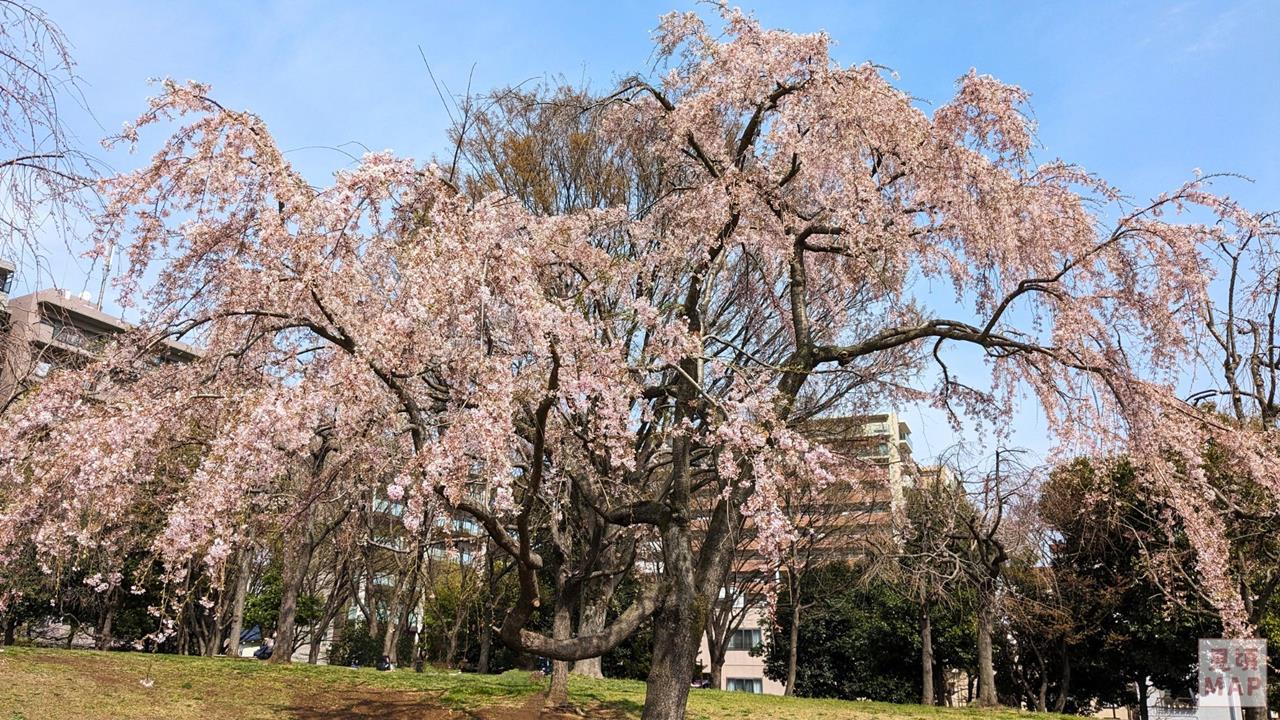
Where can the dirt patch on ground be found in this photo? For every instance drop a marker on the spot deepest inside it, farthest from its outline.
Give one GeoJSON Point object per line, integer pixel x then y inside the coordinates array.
{"type": "Point", "coordinates": [393, 705]}
{"type": "Point", "coordinates": [371, 705]}
{"type": "Point", "coordinates": [87, 667]}
{"type": "Point", "coordinates": [533, 709]}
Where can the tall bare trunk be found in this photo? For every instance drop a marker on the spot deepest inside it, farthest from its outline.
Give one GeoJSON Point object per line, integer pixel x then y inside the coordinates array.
{"type": "Point", "coordinates": [926, 656]}
{"type": "Point", "coordinates": [793, 650]}
{"type": "Point", "coordinates": [297, 560]}
{"type": "Point", "coordinates": [561, 629]}
{"type": "Point", "coordinates": [321, 631]}
{"type": "Point", "coordinates": [486, 644]}
{"type": "Point", "coordinates": [715, 655]}
{"type": "Point", "coordinates": [457, 631]}
{"type": "Point", "coordinates": [368, 607]}
{"type": "Point", "coordinates": [487, 610]}
{"type": "Point", "coordinates": [392, 637]}
{"type": "Point", "coordinates": [403, 599]}
{"type": "Point", "coordinates": [243, 568]}
{"type": "Point", "coordinates": [987, 696]}
{"type": "Point", "coordinates": [420, 636]}
{"type": "Point", "coordinates": [451, 646]}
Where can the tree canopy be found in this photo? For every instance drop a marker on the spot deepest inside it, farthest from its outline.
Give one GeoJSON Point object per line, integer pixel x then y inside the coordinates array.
{"type": "Point", "coordinates": [429, 338]}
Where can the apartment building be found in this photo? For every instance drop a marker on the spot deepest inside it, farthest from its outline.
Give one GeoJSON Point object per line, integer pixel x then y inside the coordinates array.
{"type": "Point", "coordinates": [839, 522]}
{"type": "Point", "coordinates": [49, 329]}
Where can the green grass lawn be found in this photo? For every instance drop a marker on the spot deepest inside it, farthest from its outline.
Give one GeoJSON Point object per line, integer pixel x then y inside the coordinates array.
{"type": "Point", "coordinates": [44, 684]}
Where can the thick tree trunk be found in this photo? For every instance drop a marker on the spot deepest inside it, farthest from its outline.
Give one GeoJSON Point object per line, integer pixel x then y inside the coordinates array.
{"type": "Point", "coordinates": [105, 621]}
{"type": "Point", "coordinates": [715, 654]}
{"type": "Point", "coordinates": [926, 656]}
{"type": "Point", "coordinates": [392, 637]}
{"type": "Point", "coordinates": [313, 648]}
{"type": "Point", "coordinates": [1064, 680]}
{"type": "Point", "coordinates": [10, 629]}
{"type": "Point", "coordinates": [675, 649]}
{"type": "Point", "coordinates": [717, 672]}
{"type": "Point", "coordinates": [243, 568]}
{"type": "Point", "coordinates": [104, 639]}
{"type": "Point", "coordinates": [209, 641]}
{"type": "Point", "coordinates": [793, 650]}
{"type": "Point", "coordinates": [561, 629]}
{"type": "Point", "coordinates": [296, 563]}
{"type": "Point", "coordinates": [1144, 713]}
{"type": "Point", "coordinates": [677, 629]}
{"type": "Point", "coordinates": [986, 667]}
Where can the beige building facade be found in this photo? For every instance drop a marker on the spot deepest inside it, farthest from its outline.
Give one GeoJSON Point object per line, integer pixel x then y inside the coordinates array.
{"type": "Point", "coordinates": [852, 519]}
{"type": "Point", "coordinates": [49, 329]}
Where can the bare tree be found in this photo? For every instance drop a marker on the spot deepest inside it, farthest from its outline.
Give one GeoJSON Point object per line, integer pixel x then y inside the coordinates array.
{"type": "Point", "coordinates": [45, 181]}
{"type": "Point", "coordinates": [922, 559]}
{"type": "Point", "coordinates": [831, 524]}
{"type": "Point", "coordinates": [1242, 352]}
{"type": "Point", "coordinates": [748, 579]}
{"type": "Point", "coordinates": [988, 534]}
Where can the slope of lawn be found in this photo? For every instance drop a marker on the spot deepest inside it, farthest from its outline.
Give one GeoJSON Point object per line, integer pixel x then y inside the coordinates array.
{"type": "Point", "coordinates": [46, 684]}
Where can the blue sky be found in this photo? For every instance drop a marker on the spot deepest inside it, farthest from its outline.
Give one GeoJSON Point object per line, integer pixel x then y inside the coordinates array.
{"type": "Point", "coordinates": [1141, 93]}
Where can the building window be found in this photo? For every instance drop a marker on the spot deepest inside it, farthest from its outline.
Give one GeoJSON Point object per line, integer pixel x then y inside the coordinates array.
{"type": "Point", "coordinates": [744, 639]}
{"type": "Point", "coordinates": [747, 685]}
{"type": "Point", "coordinates": [739, 598]}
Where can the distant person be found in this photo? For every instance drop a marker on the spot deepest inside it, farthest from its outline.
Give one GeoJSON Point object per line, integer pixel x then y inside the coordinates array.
{"type": "Point", "coordinates": [384, 663]}
{"type": "Point", "coordinates": [267, 649]}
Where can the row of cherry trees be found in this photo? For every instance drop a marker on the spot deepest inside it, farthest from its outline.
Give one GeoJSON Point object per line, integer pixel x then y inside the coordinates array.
{"type": "Point", "coordinates": [627, 363]}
